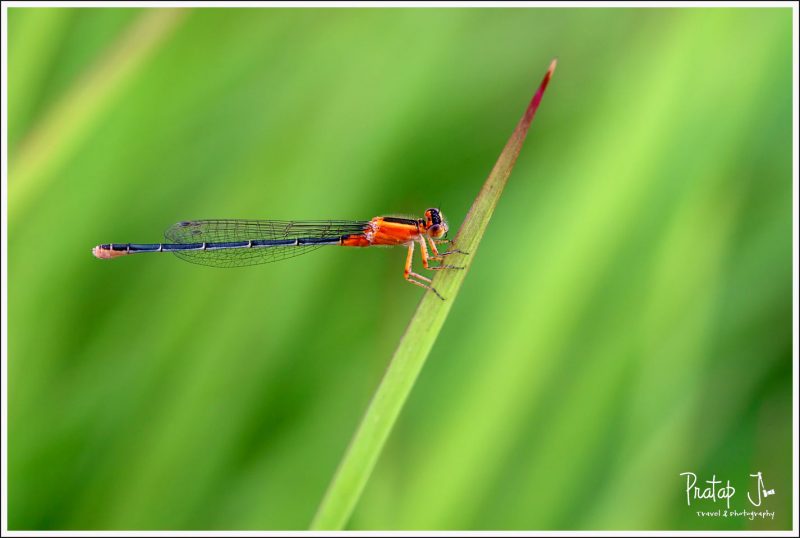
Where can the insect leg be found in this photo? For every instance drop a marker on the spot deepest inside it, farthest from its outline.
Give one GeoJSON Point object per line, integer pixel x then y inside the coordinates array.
{"type": "Point", "coordinates": [439, 255]}
{"type": "Point", "coordinates": [410, 276]}
{"type": "Point", "coordinates": [425, 258]}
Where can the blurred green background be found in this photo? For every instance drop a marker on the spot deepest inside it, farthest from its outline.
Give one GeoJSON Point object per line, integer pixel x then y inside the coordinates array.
{"type": "Point", "coordinates": [627, 317]}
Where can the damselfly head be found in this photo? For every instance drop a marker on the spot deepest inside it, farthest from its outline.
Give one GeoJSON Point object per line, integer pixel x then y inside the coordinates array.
{"type": "Point", "coordinates": [435, 224]}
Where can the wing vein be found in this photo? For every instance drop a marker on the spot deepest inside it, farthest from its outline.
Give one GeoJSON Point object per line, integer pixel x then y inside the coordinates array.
{"type": "Point", "coordinates": [235, 230]}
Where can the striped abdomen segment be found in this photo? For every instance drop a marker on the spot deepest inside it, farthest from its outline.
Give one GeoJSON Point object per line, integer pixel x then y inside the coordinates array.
{"type": "Point", "coordinates": [122, 249]}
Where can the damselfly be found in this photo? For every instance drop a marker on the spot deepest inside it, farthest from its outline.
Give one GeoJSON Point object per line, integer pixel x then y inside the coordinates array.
{"type": "Point", "coordinates": [236, 243]}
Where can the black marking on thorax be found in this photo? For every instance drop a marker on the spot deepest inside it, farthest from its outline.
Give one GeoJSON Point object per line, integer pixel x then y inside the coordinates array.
{"type": "Point", "coordinates": [400, 220]}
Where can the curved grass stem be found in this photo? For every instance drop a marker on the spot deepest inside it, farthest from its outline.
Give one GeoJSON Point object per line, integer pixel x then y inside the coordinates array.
{"type": "Point", "coordinates": [412, 351]}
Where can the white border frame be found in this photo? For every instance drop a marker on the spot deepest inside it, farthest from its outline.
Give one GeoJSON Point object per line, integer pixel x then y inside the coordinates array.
{"type": "Point", "coordinates": [387, 4]}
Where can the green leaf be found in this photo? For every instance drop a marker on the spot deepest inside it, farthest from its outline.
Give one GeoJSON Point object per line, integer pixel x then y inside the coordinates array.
{"type": "Point", "coordinates": [415, 345]}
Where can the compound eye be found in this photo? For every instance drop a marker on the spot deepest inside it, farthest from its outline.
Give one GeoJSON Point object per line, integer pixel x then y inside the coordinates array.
{"type": "Point", "coordinates": [437, 230]}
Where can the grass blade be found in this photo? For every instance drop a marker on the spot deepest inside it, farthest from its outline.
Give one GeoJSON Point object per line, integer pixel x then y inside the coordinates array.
{"type": "Point", "coordinates": [66, 123]}
{"type": "Point", "coordinates": [409, 357]}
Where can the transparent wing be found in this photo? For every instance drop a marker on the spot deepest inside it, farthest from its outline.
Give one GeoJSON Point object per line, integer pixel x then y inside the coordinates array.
{"type": "Point", "coordinates": [228, 231]}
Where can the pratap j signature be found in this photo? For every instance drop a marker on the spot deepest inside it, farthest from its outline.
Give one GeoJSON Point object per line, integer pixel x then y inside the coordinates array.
{"type": "Point", "coordinates": [717, 491]}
